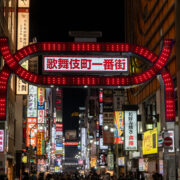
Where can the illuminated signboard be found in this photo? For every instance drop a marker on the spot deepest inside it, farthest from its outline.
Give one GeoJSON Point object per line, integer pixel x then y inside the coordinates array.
{"type": "Point", "coordinates": [119, 127]}
{"type": "Point", "coordinates": [32, 102]}
{"type": "Point", "coordinates": [121, 161]}
{"type": "Point", "coordinates": [41, 98]}
{"type": "Point", "coordinates": [31, 132]}
{"type": "Point", "coordinates": [40, 142]}
{"type": "Point", "coordinates": [22, 40]}
{"type": "Point", "coordinates": [23, 3]}
{"type": "Point", "coordinates": [150, 142]}
{"type": "Point", "coordinates": [130, 130]}
{"type": "Point", "coordinates": [1, 140]}
{"type": "Point", "coordinates": [40, 116]}
{"type": "Point", "coordinates": [85, 64]}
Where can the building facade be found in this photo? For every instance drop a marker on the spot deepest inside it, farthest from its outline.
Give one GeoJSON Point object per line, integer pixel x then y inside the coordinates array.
{"type": "Point", "coordinates": [148, 23]}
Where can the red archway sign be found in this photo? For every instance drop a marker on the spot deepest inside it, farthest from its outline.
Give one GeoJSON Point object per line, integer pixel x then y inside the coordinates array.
{"type": "Point", "coordinates": [13, 62]}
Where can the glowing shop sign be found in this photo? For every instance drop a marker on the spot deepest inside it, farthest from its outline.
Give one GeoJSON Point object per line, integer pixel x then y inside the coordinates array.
{"type": "Point", "coordinates": [1, 140]}
{"type": "Point", "coordinates": [84, 64]}
{"type": "Point", "coordinates": [130, 130]}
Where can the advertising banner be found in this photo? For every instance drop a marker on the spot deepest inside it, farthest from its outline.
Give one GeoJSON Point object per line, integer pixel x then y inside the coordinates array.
{"type": "Point", "coordinates": [93, 162]}
{"type": "Point", "coordinates": [70, 135]}
{"type": "Point", "coordinates": [32, 102]}
{"type": "Point", "coordinates": [41, 98]}
{"type": "Point", "coordinates": [23, 3]}
{"type": "Point", "coordinates": [40, 143]}
{"type": "Point", "coordinates": [85, 64]}
{"type": "Point", "coordinates": [110, 161]}
{"type": "Point", "coordinates": [1, 140]}
{"type": "Point", "coordinates": [121, 161]}
{"type": "Point", "coordinates": [149, 145]}
{"type": "Point", "coordinates": [130, 130]}
{"type": "Point", "coordinates": [59, 98]}
{"type": "Point", "coordinates": [40, 116]}
{"type": "Point", "coordinates": [31, 132]}
{"type": "Point", "coordinates": [22, 40]}
{"type": "Point", "coordinates": [119, 127]}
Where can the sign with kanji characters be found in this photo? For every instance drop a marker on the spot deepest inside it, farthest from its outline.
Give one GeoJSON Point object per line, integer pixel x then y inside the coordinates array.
{"type": "Point", "coordinates": [41, 98]}
{"type": "Point", "coordinates": [31, 132]}
{"type": "Point", "coordinates": [22, 40]}
{"type": "Point", "coordinates": [40, 139]}
{"type": "Point", "coordinates": [85, 64]}
{"type": "Point", "coordinates": [119, 127]}
{"type": "Point", "coordinates": [1, 140]}
{"type": "Point", "coordinates": [149, 145]}
{"type": "Point", "coordinates": [23, 3]}
{"type": "Point", "coordinates": [32, 102]}
{"type": "Point", "coordinates": [130, 130]}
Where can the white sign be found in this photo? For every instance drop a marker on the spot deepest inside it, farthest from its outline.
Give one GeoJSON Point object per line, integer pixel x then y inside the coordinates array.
{"type": "Point", "coordinates": [101, 144]}
{"type": "Point", "coordinates": [1, 140]}
{"type": "Point", "coordinates": [22, 40]}
{"type": "Point", "coordinates": [110, 161]}
{"type": "Point", "coordinates": [85, 64]}
{"type": "Point", "coordinates": [32, 102]}
{"type": "Point", "coordinates": [40, 116]}
{"type": "Point", "coordinates": [23, 3]}
{"type": "Point", "coordinates": [130, 130]}
{"type": "Point", "coordinates": [83, 142]}
{"type": "Point", "coordinates": [171, 134]}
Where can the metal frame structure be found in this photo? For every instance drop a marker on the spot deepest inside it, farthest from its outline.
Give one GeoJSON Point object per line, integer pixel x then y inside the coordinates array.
{"type": "Point", "coordinates": [158, 63]}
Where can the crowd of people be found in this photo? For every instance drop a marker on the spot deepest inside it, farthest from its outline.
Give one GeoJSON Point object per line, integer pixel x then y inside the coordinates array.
{"type": "Point", "coordinates": [91, 176]}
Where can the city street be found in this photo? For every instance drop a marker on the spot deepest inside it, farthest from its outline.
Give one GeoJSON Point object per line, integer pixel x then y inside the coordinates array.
{"type": "Point", "coordinates": [89, 91]}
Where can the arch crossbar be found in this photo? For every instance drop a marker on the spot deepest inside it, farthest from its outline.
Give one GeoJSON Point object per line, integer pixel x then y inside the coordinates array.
{"type": "Point", "coordinates": [13, 66]}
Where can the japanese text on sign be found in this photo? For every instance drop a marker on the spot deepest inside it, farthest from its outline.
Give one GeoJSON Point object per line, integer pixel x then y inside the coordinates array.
{"type": "Point", "coordinates": [96, 64]}
{"type": "Point", "coordinates": [130, 130]}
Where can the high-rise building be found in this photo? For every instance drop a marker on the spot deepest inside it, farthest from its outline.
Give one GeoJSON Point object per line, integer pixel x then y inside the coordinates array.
{"type": "Point", "coordinates": [148, 23]}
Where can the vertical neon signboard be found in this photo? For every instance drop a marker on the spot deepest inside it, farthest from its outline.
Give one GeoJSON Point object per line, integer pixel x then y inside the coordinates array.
{"type": "Point", "coordinates": [130, 130]}
{"type": "Point", "coordinates": [119, 127]}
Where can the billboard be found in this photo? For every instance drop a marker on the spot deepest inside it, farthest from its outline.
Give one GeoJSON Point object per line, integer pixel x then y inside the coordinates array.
{"type": "Point", "coordinates": [31, 132]}
{"type": "Point", "coordinates": [59, 98]}
{"type": "Point", "coordinates": [130, 130]}
{"type": "Point", "coordinates": [32, 102]}
{"type": "Point", "coordinates": [85, 64]}
{"type": "Point", "coordinates": [22, 40]}
{"type": "Point", "coordinates": [119, 127]}
{"type": "Point", "coordinates": [149, 145]}
{"type": "Point", "coordinates": [41, 98]}
{"type": "Point", "coordinates": [1, 140]}
{"type": "Point", "coordinates": [70, 135]}
{"type": "Point", "coordinates": [23, 3]}
{"type": "Point", "coordinates": [40, 142]}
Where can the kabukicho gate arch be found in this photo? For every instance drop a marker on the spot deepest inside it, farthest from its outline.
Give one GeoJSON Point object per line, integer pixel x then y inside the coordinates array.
{"type": "Point", "coordinates": [157, 67]}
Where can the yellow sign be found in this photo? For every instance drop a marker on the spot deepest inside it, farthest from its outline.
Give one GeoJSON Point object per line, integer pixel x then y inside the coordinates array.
{"type": "Point", "coordinates": [93, 161]}
{"type": "Point", "coordinates": [24, 159]}
{"type": "Point", "coordinates": [150, 142]}
{"type": "Point", "coordinates": [40, 143]}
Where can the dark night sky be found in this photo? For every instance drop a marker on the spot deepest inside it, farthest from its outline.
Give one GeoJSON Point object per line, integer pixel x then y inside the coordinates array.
{"type": "Point", "coordinates": [52, 20]}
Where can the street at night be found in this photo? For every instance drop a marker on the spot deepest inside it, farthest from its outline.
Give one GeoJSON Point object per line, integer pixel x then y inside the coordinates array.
{"type": "Point", "coordinates": [89, 90]}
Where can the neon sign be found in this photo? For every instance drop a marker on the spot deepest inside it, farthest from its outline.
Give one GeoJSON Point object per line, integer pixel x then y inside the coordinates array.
{"type": "Point", "coordinates": [84, 64]}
